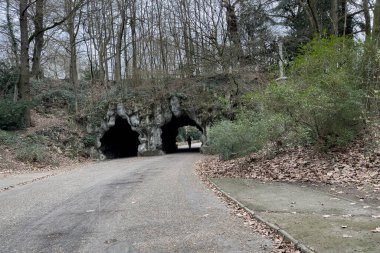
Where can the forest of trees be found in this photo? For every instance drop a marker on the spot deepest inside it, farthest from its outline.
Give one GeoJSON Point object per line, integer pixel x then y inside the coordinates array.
{"type": "Point", "coordinates": [110, 42]}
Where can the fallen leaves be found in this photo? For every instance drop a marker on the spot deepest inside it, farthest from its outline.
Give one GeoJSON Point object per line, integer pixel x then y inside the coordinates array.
{"type": "Point", "coordinates": [337, 168]}
{"type": "Point", "coordinates": [340, 169]}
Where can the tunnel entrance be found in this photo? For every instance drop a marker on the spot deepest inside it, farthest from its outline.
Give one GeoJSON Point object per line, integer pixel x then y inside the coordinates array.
{"type": "Point", "coordinates": [170, 133]}
{"type": "Point", "coordinates": [120, 141]}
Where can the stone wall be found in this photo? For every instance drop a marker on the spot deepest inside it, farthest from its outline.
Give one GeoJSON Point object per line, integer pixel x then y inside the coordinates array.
{"type": "Point", "coordinates": [148, 122]}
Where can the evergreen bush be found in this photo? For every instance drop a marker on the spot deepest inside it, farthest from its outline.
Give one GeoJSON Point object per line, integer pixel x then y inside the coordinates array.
{"type": "Point", "coordinates": [32, 153]}
{"type": "Point", "coordinates": [12, 114]}
{"type": "Point", "coordinates": [8, 79]}
{"type": "Point", "coordinates": [323, 94]}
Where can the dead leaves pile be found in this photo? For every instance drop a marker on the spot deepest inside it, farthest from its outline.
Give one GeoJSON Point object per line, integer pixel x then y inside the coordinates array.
{"type": "Point", "coordinates": [352, 167]}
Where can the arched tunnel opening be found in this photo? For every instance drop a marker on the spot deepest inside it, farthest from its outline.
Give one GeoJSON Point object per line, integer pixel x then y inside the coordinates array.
{"type": "Point", "coordinates": [170, 132]}
{"type": "Point", "coordinates": [120, 141]}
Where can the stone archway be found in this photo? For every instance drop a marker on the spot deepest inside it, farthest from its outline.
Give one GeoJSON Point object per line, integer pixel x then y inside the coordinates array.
{"type": "Point", "coordinates": [120, 140]}
{"type": "Point", "coordinates": [170, 132]}
{"type": "Point", "coordinates": [146, 131]}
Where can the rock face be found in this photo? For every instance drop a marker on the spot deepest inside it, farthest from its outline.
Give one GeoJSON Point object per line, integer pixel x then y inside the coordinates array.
{"type": "Point", "coordinates": [156, 126]}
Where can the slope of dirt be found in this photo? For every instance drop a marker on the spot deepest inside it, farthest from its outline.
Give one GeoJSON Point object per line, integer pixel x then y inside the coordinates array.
{"type": "Point", "coordinates": [52, 142]}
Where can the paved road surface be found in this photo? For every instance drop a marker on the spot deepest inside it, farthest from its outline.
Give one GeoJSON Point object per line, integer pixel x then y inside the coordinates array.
{"type": "Point", "coordinates": [152, 204]}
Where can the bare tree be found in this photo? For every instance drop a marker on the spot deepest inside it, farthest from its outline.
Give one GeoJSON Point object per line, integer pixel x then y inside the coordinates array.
{"type": "Point", "coordinates": [38, 21]}
{"type": "Point", "coordinates": [23, 84]}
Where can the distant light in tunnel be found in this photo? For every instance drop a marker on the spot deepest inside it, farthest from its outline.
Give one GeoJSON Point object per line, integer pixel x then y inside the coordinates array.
{"type": "Point", "coordinates": [170, 132]}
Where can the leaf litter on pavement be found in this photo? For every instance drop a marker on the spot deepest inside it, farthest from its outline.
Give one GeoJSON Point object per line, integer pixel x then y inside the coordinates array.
{"type": "Point", "coordinates": [353, 167]}
{"type": "Point", "coordinates": [280, 245]}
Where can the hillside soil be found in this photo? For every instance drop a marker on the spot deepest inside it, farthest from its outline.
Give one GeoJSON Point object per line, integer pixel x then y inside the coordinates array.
{"type": "Point", "coordinates": [53, 142]}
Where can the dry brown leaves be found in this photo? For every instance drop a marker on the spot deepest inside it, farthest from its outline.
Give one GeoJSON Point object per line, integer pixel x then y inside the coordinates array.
{"type": "Point", "coordinates": [301, 165]}
{"type": "Point", "coordinates": [353, 167]}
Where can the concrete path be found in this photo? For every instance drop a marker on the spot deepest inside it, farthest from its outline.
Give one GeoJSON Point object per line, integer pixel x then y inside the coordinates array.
{"type": "Point", "coordinates": [152, 204]}
{"type": "Point", "coordinates": [324, 222]}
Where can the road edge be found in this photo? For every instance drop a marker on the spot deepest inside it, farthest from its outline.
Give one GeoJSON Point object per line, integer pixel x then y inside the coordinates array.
{"type": "Point", "coordinates": [303, 248]}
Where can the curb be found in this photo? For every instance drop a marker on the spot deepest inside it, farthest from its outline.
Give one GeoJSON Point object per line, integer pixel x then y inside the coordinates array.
{"type": "Point", "coordinates": [303, 248]}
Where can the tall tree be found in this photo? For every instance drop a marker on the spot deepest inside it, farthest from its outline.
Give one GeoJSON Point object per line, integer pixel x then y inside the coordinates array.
{"type": "Point", "coordinates": [14, 44]}
{"type": "Point", "coordinates": [233, 28]}
{"type": "Point", "coordinates": [122, 4]}
{"type": "Point", "coordinates": [23, 83]}
{"type": "Point", "coordinates": [25, 40]}
{"type": "Point", "coordinates": [367, 19]}
{"type": "Point", "coordinates": [376, 21]}
{"type": "Point", "coordinates": [11, 33]}
{"type": "Point", "coordinates": [39, 30]}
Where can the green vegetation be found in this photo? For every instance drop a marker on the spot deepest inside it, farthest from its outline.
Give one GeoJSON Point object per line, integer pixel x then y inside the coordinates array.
{"type": "Point", "coordinates": [30, 148]}
{"type": "Point", "coordinates": [12, 114]}
{"type": "Point", "coordinates": [322, 103]}
{"type": "Point", "coordinates": [8, 79]}
{"type": "Point", "coordinates": [7, 138]}
{"type": "Point", "coordinates": [32, 153]}
{"type": "Point", "coordinates": [186, 131]}
{"type": "Point", "coordinates": [88, 140]}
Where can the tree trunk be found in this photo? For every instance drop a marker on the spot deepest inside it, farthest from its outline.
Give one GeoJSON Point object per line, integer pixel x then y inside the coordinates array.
{"type": "Point", "coordinates": [38, 40]}
{"type": "Point", "coordinates": [233, 30]}
{"type": "Point", "coordinates": [23, 84]}
{"type": "Point", "coordinates": [343, 4]}
{"type": "Point", "coordinates": [334, 17]}
{"type": "Point", "coordinates": [12, 34]}
{"type": "Point", "coordinates": [376, 21]}
{"type": "Point", "coordinates": [72, 31]}
{"type": "Point", "coordinates": [119, 41]}
{"type": "Point", "coordinates": [311, 10]}
{"type": "Point", "coordinates": [134, 40]}
{"type": "Point", "coordinates": [14, 45]}
{"type": "Point", "coordinates": [367, 18]}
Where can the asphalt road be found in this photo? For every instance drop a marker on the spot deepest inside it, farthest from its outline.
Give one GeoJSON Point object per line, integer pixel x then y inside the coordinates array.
{"type": "Point", "coordinates": [152, 204]}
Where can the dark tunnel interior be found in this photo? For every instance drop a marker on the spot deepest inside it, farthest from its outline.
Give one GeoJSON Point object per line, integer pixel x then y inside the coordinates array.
{"type": "Point", "coordinates": [120, 141]}
{"type": "Point", "coordinates": [170, 132]}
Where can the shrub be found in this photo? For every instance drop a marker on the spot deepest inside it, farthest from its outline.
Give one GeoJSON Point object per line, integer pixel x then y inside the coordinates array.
{"type": "Point", "coordinates": [323, 95]}
{"type": "Point", "coordinates": [231, 139]}
{"type": "Point", "coordinates": [8, 79]}
{"type": "Point", "coordinates": [32, 153]}
{"type": "Point", "coordinates": [7, 138]}
{"type": "Point", "coordinates": [249, 133]}
{"type": "Point", "coordinates": [321, 103]}
{"type": "Point", "coordinates": [12, 114]}
{"type": "Point", "coordinates": [58, 99]}
{"type": "Point", "coordinates": [89, 140]}
{"type": "Point", "coordinates": [184, 132]}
